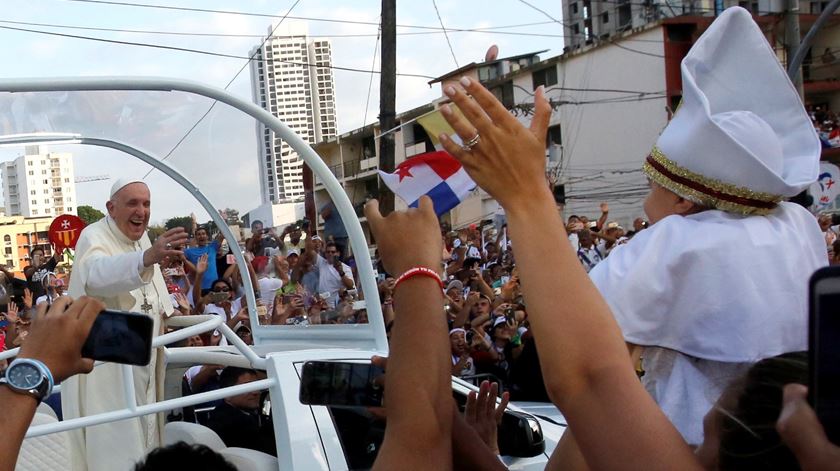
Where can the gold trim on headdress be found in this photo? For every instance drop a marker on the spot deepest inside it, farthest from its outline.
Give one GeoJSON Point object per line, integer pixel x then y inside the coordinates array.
{"type": "Point", "coordinates": [707, 191]}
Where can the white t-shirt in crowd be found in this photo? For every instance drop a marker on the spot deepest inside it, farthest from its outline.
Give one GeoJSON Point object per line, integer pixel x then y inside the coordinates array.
{"type": "Point", "coordinates": [235, 306]}
{"type": "Point", "coordinates": [268, 287]}
{"type": "Point", "coordinates": [468, 369]}
{"type": "Point", "coordinates": [330, 280]}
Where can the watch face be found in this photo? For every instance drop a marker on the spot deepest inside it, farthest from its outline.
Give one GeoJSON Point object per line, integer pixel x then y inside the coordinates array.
{"type": "Point", "coordinates": [24, 376]}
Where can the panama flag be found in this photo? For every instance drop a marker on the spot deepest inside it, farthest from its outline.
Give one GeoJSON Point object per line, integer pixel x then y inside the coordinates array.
{"type": "Point", "coordinates": [435, 174]}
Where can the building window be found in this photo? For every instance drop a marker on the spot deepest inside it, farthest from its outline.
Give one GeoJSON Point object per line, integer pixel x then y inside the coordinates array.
{"type": "Point", "coordinates": [554, 136]}
{"type": "Point", "coordinates": [32, 172]}
{"type": "Point", "coordinates": [10, 263]}
{"type": "Point", "coordinates": [33, 192]}
{"type": "Point", "coordinates": [546, 77]}
{"type": "Point", "coordinates": [69, 209]}
{"type": "Point", "coordinates": [504, 93]}
{"type": "Point", "coordinates": [7, 238]}
{"type": "Point", "coordinates": [34, 211]}
{"type": "Point", "coordinates": [576, 29]}
{"type": "Point", "coordinates": [605, 17]}
{"type": "Point", "coordinates": [574, 8]}
{"type": "Point", "coordinates": [34, 201]}
{"type": "Point", "coordinates": [8, 250]}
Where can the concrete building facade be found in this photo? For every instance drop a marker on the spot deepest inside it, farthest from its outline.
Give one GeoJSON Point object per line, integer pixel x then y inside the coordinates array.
{"type": "Point", "coordinates": [291, 78]}
{"type": "Point", "coordinates": [39, 183]}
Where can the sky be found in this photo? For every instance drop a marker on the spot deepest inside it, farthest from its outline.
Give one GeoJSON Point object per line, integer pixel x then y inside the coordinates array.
{"type": "Point", "coordinates": [220, 155]}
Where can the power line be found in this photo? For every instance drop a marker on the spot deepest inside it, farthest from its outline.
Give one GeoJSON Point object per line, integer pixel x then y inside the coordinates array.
{"type": "Point", "coordinates": [489, 29]}
{"type": "Point", "coordinates": [266, 15]}
{"type": "Point", "coordinates": [196, 51]}
{"type": "Point", "coordinates": [448, 43]}
{"type": "Point", "coordinates": [213, 105]}
{"type": "Point", "coordinates": [533, 7]}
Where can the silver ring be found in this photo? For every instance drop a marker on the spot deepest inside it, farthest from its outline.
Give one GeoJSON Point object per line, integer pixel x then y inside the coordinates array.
{"type": "Point", "coordinates": [471, 143]}
{"type": "Point", "coordinates": [168, 246]}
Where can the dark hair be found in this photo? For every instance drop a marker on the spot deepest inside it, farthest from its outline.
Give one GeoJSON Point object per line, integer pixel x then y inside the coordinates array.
{"type": "Point", "coordinates": [202, 228]}
{"type": "Point", "coordinates": [255, 222]}
{"type": "Point", "coordinates": [222, 280]}
{"type": "Point", "coordinates": [180, 456]}
{"type": "Point", "coordinates": [231, 374]}
{"type": "Point", "coordinates": [748, 438]}
{"type": "Point", "coordinates": [36, 249]}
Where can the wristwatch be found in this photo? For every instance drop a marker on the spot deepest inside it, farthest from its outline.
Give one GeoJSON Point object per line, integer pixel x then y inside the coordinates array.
{"type": "Point", "coordinates": [30, 377]}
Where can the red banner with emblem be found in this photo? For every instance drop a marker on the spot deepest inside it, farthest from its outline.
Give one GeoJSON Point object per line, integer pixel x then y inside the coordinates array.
{"type": "Point", "coordinates": [65, 231]}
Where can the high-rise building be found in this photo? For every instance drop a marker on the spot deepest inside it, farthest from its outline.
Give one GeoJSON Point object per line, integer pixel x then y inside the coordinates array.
{"type": "Point", "coordinates": [292, 78]}
{"type": "Point", "coordinates": [39, 183]}
{"type": "Point", "coordinates": [590, 21]}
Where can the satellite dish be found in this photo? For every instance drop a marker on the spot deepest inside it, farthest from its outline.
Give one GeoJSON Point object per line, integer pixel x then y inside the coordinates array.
{"type": "Point", "coordinates": [492, 53]}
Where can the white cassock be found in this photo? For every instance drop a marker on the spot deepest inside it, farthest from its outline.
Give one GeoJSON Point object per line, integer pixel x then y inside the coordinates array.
{"type": "Point", "coordinates": [109, 266]}
{"type": "Point", "coordinates": [708, 295]}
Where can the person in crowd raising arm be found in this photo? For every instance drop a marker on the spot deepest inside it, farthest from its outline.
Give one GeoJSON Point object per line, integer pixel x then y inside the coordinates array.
{"type": "Point", "coordinates": [418, 434]}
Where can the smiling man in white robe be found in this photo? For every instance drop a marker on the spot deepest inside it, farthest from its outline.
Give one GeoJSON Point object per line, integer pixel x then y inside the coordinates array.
{"type": "Point", "coordinates": [116, 263]}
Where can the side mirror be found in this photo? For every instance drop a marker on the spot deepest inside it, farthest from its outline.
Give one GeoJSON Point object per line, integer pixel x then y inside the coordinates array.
{"type": "Point", "coordinates": [520, 435]}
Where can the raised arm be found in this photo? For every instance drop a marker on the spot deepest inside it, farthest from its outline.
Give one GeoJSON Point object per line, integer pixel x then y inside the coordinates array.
{"type": "Point", "coordinates": [418, 433]}
{"type": "Point", "coordinates": [600, 396]}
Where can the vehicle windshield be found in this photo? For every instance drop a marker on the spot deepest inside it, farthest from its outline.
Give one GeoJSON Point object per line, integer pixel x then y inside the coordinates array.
{"type": "Point", "coordinates": [284, 222]}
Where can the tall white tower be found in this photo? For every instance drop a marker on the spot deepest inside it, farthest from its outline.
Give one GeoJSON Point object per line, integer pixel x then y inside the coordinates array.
{"type": "Point", "coordinates": [291, 77]}
{"type": "Point", "coordinates": [39, 183]}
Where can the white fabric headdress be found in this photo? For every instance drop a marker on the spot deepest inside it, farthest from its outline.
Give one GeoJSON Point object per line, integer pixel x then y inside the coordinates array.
{"type": "Point", "coordinates": [741, 140]}
{"type": "Point", "coordinates": [122, 183]}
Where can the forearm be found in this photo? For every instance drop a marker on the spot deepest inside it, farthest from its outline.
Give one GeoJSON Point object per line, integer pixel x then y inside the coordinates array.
{"type": "Point", "coordinates": [199, 280]}
{"type": "Point", "coordinates": [347, 281]}
{"type": "Point", "coordinates": [585, 314]}
{"type": "Point", "coordinates": [463, 315]}
{"type": "Point", "coordinates": [418, 377]}
{"type": "Point", "coordinates": [116, 273]}
{"type": "Point", "coordinates": [18, 410]}
{"type": "Point", "coordinates": [484, 288]}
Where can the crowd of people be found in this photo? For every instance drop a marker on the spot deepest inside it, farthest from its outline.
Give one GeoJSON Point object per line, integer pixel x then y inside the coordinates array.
{"type": "Point", "coordinates": [712, 296]}
{"type": "Point", "coordinates": [827, 124]}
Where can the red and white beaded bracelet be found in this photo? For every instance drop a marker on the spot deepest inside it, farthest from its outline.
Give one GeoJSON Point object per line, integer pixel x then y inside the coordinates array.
{"type": "Point", "coordinates": [418, 271]}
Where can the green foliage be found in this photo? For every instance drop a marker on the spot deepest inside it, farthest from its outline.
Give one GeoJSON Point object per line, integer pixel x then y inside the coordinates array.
{"type": "Point", "coordinates": [89, 214]}
{"type": "Point", "coordinates": [155, 232]}
{"type": "Point", "coordinates": [180, 221]}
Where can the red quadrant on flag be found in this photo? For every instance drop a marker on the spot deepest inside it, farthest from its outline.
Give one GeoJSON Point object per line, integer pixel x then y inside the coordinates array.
{"type": "Point", "coordinates": [440, 161]}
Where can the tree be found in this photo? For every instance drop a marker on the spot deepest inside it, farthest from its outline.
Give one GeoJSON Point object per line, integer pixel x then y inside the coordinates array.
{"type": "Point", "coordinates": [180, 221]}
{"type": "Point", "coordinates": [89, 214]}
{"type": "Point", "coordinates": [155, 232]}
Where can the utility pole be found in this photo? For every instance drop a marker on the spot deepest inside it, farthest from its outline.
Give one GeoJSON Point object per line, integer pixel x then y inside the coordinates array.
{"type": "Point", "coordinates": [792, 38]}
{"type": "Point", "coordinates": [387, 93]}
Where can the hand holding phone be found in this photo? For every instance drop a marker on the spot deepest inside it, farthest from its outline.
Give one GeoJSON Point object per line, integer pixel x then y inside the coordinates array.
{"type": "Point", "coordinates": [824, 349]}
{"type": "Point", "coordinates": [120, 337]}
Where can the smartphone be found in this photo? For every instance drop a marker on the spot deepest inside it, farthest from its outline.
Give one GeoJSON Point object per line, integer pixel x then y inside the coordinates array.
{"type": "Point", "coordinates": [505, 279]}
{"type": "Point", "coordinates": [262, 311]}
{"type": "Point", "coordinates": [230, 259]}
{"type": "Point", "coordinates": [343, 384]}
{"type": "Point", "coordinates": [120, 337]}
{"type": "Point", "coordinates": [824, 349]}
{"type": "Point", "coordinates": [218, 297]}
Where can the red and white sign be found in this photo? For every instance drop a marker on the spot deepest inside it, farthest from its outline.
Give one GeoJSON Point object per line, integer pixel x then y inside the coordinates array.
{"type": "Point", "coordinates": [65, 231]}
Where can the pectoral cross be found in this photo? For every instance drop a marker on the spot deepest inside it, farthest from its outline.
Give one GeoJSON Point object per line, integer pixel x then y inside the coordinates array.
{"type": "Point", "coordinates": [146, 307]}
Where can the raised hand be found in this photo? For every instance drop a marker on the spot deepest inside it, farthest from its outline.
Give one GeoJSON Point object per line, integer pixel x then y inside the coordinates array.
{"type": "Point", "coordinates": [27, 298]}
{"type": "Point", "coordinates": [166, 245]}
{"type": "Point", "coordinates": [12, 313]}
{"type": "Point", "coordinates": [416, 228]}
{"type": "Point", "coordinates": [483, 415]}
{"type": "Point", "coordinates": [508, 159]}
{"type": "Point", "coordinates": [201, 266]}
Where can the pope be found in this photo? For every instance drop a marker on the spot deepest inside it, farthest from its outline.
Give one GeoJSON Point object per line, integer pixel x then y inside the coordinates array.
{"type": "Point", "coordinates": [116, 263]}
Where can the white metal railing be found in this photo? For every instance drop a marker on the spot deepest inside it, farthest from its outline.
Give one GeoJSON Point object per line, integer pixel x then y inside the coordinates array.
{"type": "Point", "coordinates": [132, 410]}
